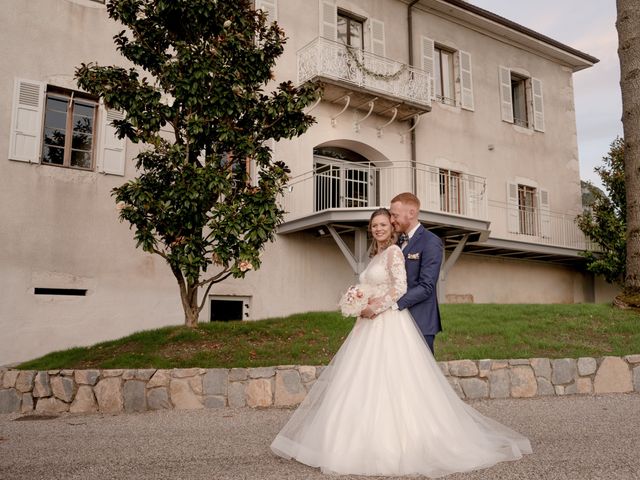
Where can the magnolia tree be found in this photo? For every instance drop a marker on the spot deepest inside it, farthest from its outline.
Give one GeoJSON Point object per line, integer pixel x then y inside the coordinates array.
{"type": "Point", "coordinates": [196, 100]}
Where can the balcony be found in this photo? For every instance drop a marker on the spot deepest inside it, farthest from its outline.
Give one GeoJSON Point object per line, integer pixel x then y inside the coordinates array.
{"type": "Point", "coordinates": [346, 193]}
{"type": "Point", "coordinates": [365, 77]}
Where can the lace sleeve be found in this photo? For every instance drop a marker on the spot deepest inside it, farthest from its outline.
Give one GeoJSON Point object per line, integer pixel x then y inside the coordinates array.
{"type": "Point", "coordinates": [396, 285]}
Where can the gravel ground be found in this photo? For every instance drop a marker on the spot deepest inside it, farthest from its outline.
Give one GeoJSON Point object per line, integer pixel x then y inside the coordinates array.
{"type": "Point", "coordinates": [577, 437]}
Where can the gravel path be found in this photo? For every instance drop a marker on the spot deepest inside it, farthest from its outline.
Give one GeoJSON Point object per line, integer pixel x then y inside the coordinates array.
{"type": "Point", "coordinates": [577, 437]}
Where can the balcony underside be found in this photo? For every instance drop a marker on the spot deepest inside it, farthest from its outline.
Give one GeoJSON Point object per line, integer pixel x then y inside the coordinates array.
{"type": "Point", "coordinates": [335, 91]}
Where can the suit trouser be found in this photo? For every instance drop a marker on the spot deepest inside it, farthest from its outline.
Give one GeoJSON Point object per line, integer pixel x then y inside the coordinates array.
{"type": "Point", "coordinates": [430, 339]}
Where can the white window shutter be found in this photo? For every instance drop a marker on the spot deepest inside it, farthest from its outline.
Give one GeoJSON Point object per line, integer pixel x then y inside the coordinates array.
{"type": "Point", "coordinates": [328, 19]}
{"type": "Point", "coordinates": [538, 108]}
{"type": "Point", "coordinates": [428, 66]}
{"type": "Point", "coordinates": [506, 102]}
{"type": "Point", "coordinates": [513, 212]}
{"type": "Point", "coordinates": [111, 156]}
{"type": "Point", "coordinates": [26, 121]}
{"type": "Point", "coordinates": [466, 80]}
{"type": "Point", "coordinates": [433, 192]}
{"type": "Point", "coordinates": [270, 7]}
{"type": "Point", "coordinates": [377, 37]}
{"type": "Point", "coordinates": [473, 193]}
{"type": "Point", "coordinates": [545, 216]}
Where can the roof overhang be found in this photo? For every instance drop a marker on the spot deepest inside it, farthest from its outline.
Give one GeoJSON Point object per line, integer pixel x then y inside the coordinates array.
{"type": "Point", "coordinates": [506, 30]}
{"type": "Point", "coordinates": [526, 251]}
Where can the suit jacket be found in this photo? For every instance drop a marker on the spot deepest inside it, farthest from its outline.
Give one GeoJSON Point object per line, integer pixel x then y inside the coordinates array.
{"type": "Point", "coordinates": [422, 258]}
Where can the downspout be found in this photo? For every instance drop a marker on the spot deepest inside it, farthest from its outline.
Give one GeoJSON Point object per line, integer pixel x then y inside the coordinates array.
{"type": "Point", "coordinates": [414, 181]}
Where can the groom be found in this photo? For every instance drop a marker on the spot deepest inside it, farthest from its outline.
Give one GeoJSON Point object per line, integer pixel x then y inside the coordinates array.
{"type": "Point", "coordinates": [422, 257]}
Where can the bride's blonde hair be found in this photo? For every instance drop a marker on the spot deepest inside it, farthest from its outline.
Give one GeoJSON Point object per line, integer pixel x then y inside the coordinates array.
{"type": "Point", "coordinates": [374, 250]}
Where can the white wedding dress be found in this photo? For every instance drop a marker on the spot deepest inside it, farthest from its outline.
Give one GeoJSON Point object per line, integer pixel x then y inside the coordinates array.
{"type": "Point", "coordinates": [383, 407]}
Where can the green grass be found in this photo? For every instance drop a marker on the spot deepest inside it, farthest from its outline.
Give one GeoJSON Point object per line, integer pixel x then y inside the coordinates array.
{"type": "Point", "coordinates": [470, 332]}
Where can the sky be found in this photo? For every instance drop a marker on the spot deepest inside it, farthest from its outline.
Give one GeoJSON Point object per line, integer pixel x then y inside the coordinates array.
{"type": "Point", "coordinates": [589, 26]}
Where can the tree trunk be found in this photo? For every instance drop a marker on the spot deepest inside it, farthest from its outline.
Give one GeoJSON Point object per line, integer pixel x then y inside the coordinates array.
{"type": "Point", "coordinates": [628, 25]}
{"type": "Point", "coordinates": [189, 297]}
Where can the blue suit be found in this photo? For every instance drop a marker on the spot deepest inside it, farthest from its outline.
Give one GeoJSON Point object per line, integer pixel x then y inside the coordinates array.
{"type": "Point", "coordinates": [422, 259]}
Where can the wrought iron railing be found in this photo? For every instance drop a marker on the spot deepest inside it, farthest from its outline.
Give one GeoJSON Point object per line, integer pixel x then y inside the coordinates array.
{"type": "Point", "coordinates": [333, 60]}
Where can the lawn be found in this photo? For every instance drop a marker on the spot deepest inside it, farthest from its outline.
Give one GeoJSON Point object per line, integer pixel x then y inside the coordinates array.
{"type": "Point", "coordinates": [470, 332]}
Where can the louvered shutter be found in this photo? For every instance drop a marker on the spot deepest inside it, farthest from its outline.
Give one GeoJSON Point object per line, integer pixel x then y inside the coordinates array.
{"type": "Point", "coordinates": [466, 80]}
{"type": "Point", "coordinates": [545, 217]}
{"type": "Point", "coordinates": [538, 107]}
{"type": "Point", "coordinates": [328, 19]}
{"type": "Point", "coordinates": [433, 193]}
{"type": "Point", "coordinates": [428, 66]}
{"type": "Point", "coordinates": [26, 121]}
{"type": "Point", "coordinates": [112, 152]}
{"type": "Point", "coordinates": [270, 7]}
{"type": "Point", "coordinates": [513, 216]}
{"type": "Point", "coordinates": [506, 102]}
{"type": "Point", "coordinates": [377, 37]}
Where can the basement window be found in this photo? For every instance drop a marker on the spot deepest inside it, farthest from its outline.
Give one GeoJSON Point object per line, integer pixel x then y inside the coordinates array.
{"type": "Point", "coordinates": [229, 308]}
{"type": "Point", "coordinates": [72, 292]}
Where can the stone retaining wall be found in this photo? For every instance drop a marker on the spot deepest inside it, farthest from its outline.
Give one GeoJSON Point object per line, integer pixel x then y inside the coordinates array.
{"type": "Point", "coordinates": [113, 391]}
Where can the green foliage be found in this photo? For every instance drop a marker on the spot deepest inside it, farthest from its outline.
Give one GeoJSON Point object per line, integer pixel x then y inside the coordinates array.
{"type": "Point", "coordinates": [196, 99]}
{"type": "Point", "coordinates": [606, 221]}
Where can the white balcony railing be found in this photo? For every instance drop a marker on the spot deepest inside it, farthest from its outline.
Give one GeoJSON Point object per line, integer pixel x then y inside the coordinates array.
{"type": "Point", "coordinates": [534, 225]}
{"type": "Point", "coordinates": [323, 58]}
{"type": "Point", "coordinates": [335, 184]}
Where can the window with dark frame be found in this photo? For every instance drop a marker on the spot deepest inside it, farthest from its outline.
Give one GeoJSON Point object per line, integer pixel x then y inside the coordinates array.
{"type": "Point", "coordinates": [519, 99]}
{"type": "Point", "coordinates": [527, 210]}
{"type": "Point", "coordinates": [449, 191]}
{"type": "Point", "coordinates": [444, 75]}
{"type": "Point", "coordinates": [69, 129]}
{"type": "Point", "coordinates": [350, 30]}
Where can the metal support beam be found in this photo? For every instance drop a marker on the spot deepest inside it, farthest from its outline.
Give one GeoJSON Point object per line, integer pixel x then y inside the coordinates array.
{"type": "Point", "coordinates": [357, 259]}
{"type": "Point", "coordinates": [448, 265]}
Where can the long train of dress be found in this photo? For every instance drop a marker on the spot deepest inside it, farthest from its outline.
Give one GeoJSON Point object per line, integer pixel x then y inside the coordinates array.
{"type": "Point", "coordinates": [383, 407]}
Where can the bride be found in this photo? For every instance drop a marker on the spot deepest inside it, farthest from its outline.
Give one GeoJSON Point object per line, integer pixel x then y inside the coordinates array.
{"type": "Point", "coordinates": [382, 405]}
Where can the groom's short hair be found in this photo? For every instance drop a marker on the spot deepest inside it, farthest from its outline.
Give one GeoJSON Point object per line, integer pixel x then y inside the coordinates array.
{"type": "Point", "coordinates": [407, 198]}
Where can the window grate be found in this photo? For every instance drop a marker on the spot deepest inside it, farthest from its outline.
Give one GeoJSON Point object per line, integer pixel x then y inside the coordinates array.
{"type": "Point", "coordinates": [72, 292]}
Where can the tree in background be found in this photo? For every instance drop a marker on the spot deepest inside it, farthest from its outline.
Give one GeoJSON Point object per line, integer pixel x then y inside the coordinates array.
{"type": "Point", "coordinates": [605, 221]}
{"type": "Point", "coordinates": [628, 25]}
{"type": "Point", "coordinates": [196, 99]}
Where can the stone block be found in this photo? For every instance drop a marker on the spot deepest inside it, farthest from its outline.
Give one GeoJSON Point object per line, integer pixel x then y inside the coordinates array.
{"type": "Point", "coordinates": [63, 388]}
{"type": "Point", "coordinates": [587, 366]}
{"type": "Point", "coordinates": [498, 364]}
{"type": "Point", "coordinates": [519, 361]}
{"type": "Point", "coordinates": [236, 395]}
{"type": "Point", "coordinates": [159, 379]}
{"type": "Point", "coordinates": [559, 389]}
{"type": "Point", "coordinates": [613, 376]}
{"type": "Point", "coordinates": [571, 389]}
{"type": "Point", "coordinates": [545, 387]}
{"type": "Point", "coordinates": [307, 374]}
{"type": "Point", "coordinates": [182, 396]}
{"type": "Point", "coordinates": [484, 367]}
{"type": "Point", "coordinates": [523, 382]}
{"type": "Point", "coordinates": [215, 382]}
{"type": "Point", "coordinates": [262, 372]}
{"type": "Point", "coordinates": [289, 388]}
{"type": "Point", "coordinates": [541, 367]}
{"type": "Point", "coordinates": [112, 373]}
{"type": "Point", "coordinates": [215, 401]}
{"type": "Point", "coordinates": [145, 373]}
{"type": "Point", "coordinates": [51, 405]}
{"type": "Point", "coordinates": [10, 401]}
{"type": "Point", "coordinates": [41, 386]}
{"type": "Point", "coordinates": [24, 382]}
{"type": "Point", "coordinates": [9, 378]}
{"type": "Point", "coordinates": [455, 384]}
{"type": "Point", "coordinates": [632, 359]}
{"type": "Point", "coordinates": [87, 377]}
{"type": "Point", "coordinates": [444, 368]}
{"type": "Point", "coordinates": [84, 401]}
{"type": "Point", "coordinates": [67, 373]}
{"type": "Point", "coordinates": [185, 372]}
{"type": "Point", "coordinates": [129, 374]}
{"type": "Point", "coordinates": [238, 374]}
{"type": "Point", "coordinates": [584, 386]}
{"type": "Point", "coordinates": [158, 399]}
{"type": "Point", "coordinates": [53, 372]}
{"type": "Point", "coordinates": [463, 368]}
{"type": "Point", "coordinates": [259, 393]}
{"type": "Point", "coordinates": [499, 383]}
{"type": "Point", "coordinates": [285, 367]}
{"type": "Point", "coordinates": [474, 388]}
{"type": "Point", "coordinates": [134, 396]}
{"type": "Point", "coordinates": [108, 393]}
{"type": "Point", "coordinates": [636, 379]}
{"type": "Point", "coordinates": [564, 371]}
{"type": "Point", "coordinates": [196, 384]}
{"type": "Point", "coordinates": [27, 403]}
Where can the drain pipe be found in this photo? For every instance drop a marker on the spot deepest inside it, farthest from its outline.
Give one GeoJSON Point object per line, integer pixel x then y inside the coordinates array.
{"type": "Point", "coordinates": [414, 164]}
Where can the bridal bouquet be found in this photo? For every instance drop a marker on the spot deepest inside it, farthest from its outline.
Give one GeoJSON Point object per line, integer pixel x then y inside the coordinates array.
{"type": "Point", "coordinates": [354, 300]}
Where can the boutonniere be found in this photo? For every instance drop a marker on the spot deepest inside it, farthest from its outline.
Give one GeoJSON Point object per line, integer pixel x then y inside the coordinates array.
{"type": "Point", "coordinates": [413, 256]}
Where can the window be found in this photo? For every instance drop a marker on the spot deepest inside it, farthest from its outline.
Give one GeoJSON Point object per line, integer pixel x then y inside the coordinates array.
{"type": "Point", "coordinates": [449, 191]}
{"type": "Point", "coordinates": [521, 99]}
{"type": "Point", "coordinates": [444, 76]}
{"type": "Point", "coordinates": [69, 130]}
{"type": "Point", "coordinates": [528, 216]}
{"type": "Point", "coordinates": [350, 30]}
